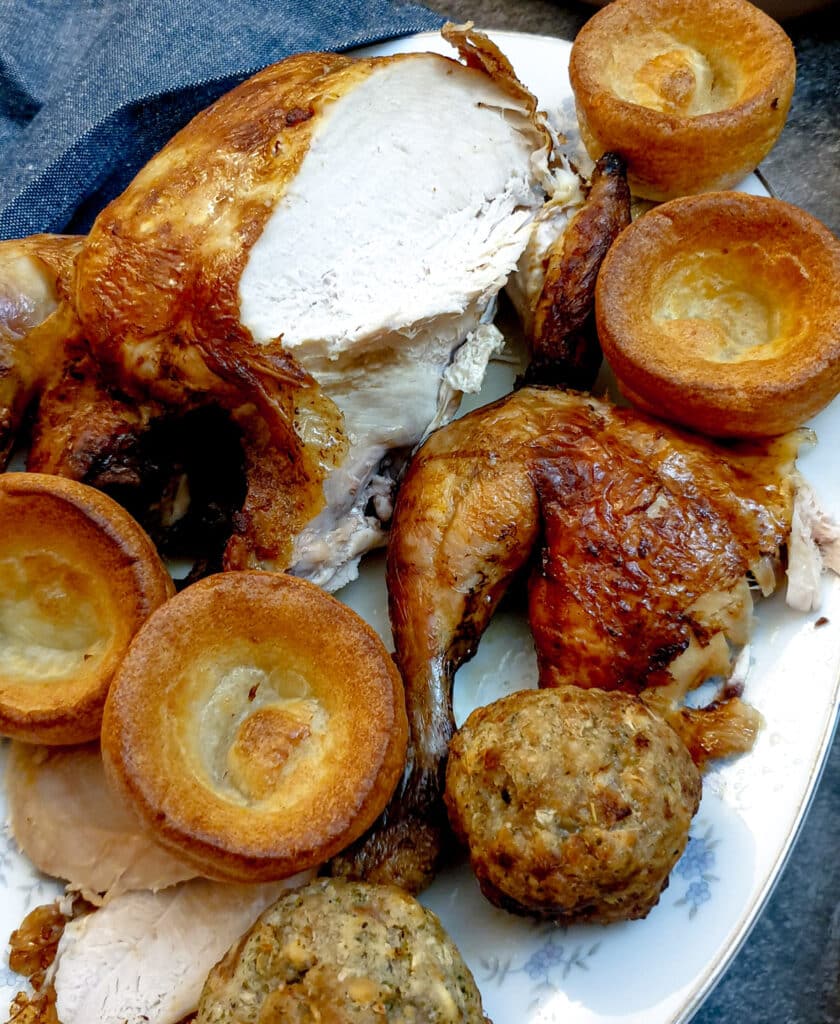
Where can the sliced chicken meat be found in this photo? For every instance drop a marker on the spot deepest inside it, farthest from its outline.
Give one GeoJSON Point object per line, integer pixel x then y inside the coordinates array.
{"type": "Point", "coordinates": [145, 956]}
{"type": "Point", "coordinates": [67, 822]}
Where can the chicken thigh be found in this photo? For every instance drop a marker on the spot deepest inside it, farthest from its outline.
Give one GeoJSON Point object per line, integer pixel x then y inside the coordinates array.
{"type": "Point", "coordinates": [648, 537]}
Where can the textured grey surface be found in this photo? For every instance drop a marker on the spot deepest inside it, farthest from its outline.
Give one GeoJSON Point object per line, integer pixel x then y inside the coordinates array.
{"type": "Point", "coordinates": [788, 970]}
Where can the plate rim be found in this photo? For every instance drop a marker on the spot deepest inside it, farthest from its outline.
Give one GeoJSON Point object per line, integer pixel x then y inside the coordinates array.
{"type": "Point", "coordinates": [738, 932]}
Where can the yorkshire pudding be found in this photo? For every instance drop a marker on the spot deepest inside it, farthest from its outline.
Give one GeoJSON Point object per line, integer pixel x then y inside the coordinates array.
{"type": "Point", "coordinates": [721, 312]}
{"type": "Point", "coordinates": [257, 725]}
{"type": "Point", "coordinates": [693, 96]}
{"type": "Point", "coordinates": [78, 576]}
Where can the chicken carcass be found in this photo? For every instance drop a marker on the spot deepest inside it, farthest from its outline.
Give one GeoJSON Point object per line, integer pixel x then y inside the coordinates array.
{"type": "Point", "coordinates": [649, 535]}
{"type": "Point", "coordinates": [319, 252]}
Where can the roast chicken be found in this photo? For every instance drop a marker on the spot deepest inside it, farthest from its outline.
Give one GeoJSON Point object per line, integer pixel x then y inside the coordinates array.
{"type": "Point", "coordinates": [319, 254]}
{"type": "Point", "coordinates": [639, 541]}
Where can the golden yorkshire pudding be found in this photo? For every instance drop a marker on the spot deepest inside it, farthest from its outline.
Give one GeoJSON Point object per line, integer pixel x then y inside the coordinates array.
{"type": "Point", "coordinates": [257, 725]}
{"type": "Point", "coordinates": [721, 312]}
{"type": "Point", "coordinates": [78, 577]}
{"type": "Point", "coordinates": [693, 96]}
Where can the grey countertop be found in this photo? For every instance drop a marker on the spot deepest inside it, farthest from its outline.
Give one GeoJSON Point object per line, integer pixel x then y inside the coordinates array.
{"type": "Point", "coordinates": [788, 972]}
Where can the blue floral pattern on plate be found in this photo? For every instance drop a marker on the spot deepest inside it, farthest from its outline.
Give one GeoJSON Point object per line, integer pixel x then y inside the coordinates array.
{"type": "Point", "coordinates": [695, 867]}
{"type": "Point", "coordinates": [546, 966]}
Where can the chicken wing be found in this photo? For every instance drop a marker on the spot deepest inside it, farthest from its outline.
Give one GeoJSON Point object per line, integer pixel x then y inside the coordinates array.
{"type": "Point", "coordinates": [562, 340]}
{"type": "Point", "coordinates": [34, 322]}
{"type": "Point", "coordinates": [643, 528]}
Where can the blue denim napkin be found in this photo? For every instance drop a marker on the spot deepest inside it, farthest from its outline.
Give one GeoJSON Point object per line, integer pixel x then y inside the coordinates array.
{"type": "Point", "coordinates": [90, 89]}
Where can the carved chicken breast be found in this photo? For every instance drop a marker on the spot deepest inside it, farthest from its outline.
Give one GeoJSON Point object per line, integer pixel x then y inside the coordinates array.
{"type": "Point", "coordinates": [319, 252]}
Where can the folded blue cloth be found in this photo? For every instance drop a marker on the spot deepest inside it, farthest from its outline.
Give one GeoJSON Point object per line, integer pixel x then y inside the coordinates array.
{"type": "Point", "coordinates": [90, 89]}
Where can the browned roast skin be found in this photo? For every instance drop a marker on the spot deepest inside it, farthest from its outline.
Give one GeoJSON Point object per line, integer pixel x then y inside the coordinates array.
{"type": "Point", "coordinates": [564, 345]}
{"type": "Point", "coordinates": [467, 519]}
{"type": "Point", "coordinates": [725, 727]}
{"type": "Point", "coordinates": [479, 52]}
{"type": "Point", "coordinates": [157, 282]}
{"type": "Point", "coordinates": [83, 429]}
{"type": "Point", "coordinates": [88, 430]}
{"type": "Point", "coordinates": [639, 523]}
{"type": "Point", "coordinates": [181, 232]}
{"type": "Point", "coordinates": [34, 321]}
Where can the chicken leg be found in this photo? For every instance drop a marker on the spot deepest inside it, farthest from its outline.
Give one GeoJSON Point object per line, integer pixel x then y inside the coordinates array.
{"type": "Point", "coordinates": [615, 489]}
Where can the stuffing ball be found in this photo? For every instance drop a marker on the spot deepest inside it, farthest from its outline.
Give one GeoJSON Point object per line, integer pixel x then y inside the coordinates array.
{"type": "Point", "coordinates": [340, 952]}
{"type": "Point", "coordinates": [575, 804]}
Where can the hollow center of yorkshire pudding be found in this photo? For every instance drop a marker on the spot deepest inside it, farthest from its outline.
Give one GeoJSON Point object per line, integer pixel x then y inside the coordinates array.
{"type": "Point", "coordinates": [659, 71]}
{"type": "Point", "coordinates": [257, 726]}
{"type": "Point", "coordinates": [52, 622]}
{"type": "Point", "coordinates": [724, 302]}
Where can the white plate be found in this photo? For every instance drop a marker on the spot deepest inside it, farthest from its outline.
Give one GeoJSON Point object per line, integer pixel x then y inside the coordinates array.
{"type": "Point", "coordinates": [655, 971]}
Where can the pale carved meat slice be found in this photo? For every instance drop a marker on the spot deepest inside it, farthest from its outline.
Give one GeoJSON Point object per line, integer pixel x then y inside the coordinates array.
{"type": "Point", "coordinates": [145, 956]}
{"type": "Point", "coordinates": [68, 823]}
{"type": "Point", "coordinates": [324, 245]}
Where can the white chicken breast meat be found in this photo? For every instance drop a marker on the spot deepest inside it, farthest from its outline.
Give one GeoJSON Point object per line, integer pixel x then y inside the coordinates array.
{"type": "Point", "coordinates": [65, 819]}
{"type": "Point", "coordinates": [145, 956]}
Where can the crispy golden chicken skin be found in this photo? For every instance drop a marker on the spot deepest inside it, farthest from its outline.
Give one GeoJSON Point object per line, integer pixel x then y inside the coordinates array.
{"type": "Point", "coordinates": [575, 804]}
{"type": "Point", "coordinates": [35, 273]}
{"type": "Point", "coordinates": [614, 489]}
{"type": "Point", "coordinates": [340, 952]}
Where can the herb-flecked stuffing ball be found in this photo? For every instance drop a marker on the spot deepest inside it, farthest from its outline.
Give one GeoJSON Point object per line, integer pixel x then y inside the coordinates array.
{"type": "Point", "coordinates": [340, 952]}
{"type": "Point", "coordinates": [575, 803]}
